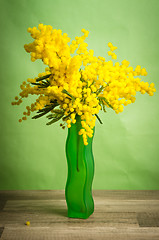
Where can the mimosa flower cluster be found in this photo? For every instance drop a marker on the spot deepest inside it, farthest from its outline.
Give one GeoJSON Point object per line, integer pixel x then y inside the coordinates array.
{"type": "Point", "coordinates": [77, 82]}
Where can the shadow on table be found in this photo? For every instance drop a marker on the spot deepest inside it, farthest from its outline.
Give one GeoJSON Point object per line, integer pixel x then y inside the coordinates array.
{"type": "Point", "coordinates": [54, 210]}
{"type": "Point", "coordinates": [60, 212]}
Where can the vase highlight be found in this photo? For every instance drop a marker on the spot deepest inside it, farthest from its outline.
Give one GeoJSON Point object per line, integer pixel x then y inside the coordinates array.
{"type": "Point", "coordinates": [78, 190]}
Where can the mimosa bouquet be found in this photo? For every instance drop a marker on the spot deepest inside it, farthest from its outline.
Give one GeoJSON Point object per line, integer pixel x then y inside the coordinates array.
{"type": "Point", "coordinates": [76, 82]}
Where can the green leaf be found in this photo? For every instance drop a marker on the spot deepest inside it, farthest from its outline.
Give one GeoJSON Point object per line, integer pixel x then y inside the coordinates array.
{"type": "Point", "coordinates": [56, 114]}
{"type": "Point", "coordinates": [64, 118]}
{"type": "Point", "coordinates": [54, 120]}
{"type": "Point", "coordinates": [50, 116]}
{"type": "Point", "coordinates": [98, 119]}
{"type": "Point", "coordinates": [66, 92]}
{"type": "Point", "coordinates": [45, 110]}
{"type": "Point", "coordinates": [42, 85]}
{"type": "Point", "coordinates": [99, 90]}
{"type": "Point", "coordinates": [104, 108]}
{"type": "Point", "coordinates": [103, 99]}
{"type": "Point", "coordinates": [38, 84]}
{"type": "Point", "coordinates": [44, 77]}
{"type": "Point", "coordinates": [47, 107]}
{"type": "Point", "coordinates": [39, 115]}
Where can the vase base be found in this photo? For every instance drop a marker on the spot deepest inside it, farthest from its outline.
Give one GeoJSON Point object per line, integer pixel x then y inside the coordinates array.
{"type": "Point", "coordinates": [72, 214]}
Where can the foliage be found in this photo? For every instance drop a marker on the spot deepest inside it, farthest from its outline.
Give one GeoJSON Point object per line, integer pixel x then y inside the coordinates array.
{"type": "Point", "coordinates": [77, 83]}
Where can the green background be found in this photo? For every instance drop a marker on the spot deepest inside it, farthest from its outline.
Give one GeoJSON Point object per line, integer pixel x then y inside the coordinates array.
{"type": "Point", "coordinates": [126, 146]}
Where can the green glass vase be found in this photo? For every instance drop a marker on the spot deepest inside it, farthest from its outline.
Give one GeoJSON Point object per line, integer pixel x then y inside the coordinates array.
{"type": "Point", "coordinates": [80, 161]}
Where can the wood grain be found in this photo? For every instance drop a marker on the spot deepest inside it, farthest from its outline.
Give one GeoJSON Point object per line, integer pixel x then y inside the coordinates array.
{"type": "Point", "coordinates": [1, 230]}
{"type": "Point", "coordinates": [32, 194]}
{"type": "Point", "coordinates": [118, 215]}
{"type": "Point", "coordinates": [2, 204]}
{"type": "Point", "coordinates": [60, 194]}
{"type": "Point", "coordinates": [148, 219]}
{"type": "Point", "coordinates": [62, 233]}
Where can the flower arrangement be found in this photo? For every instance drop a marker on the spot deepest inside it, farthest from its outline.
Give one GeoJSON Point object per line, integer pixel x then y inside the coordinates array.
{"type": "Point", "coordinates": [77, 82]}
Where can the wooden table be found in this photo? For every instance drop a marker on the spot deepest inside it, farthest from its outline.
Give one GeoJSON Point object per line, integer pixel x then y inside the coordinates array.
{"type": "Point", "coordinates": [118, 215]}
